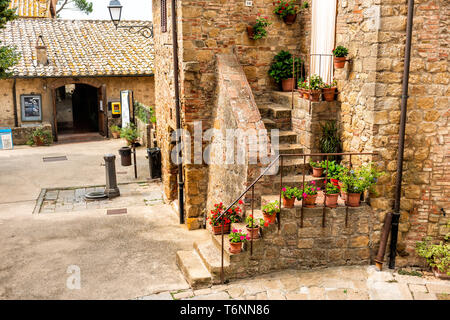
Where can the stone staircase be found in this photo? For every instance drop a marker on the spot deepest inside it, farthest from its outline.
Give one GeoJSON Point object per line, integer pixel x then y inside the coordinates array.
{"type": "Point", "coordinates": [202, 265]}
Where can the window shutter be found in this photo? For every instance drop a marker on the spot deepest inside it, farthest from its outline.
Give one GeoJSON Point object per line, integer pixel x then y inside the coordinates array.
{"type": "Point", "coordinates": [163, 15]}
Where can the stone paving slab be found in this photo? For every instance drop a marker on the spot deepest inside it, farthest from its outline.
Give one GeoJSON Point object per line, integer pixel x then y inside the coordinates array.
{"type": "Point", "coordinates": [325, 284]}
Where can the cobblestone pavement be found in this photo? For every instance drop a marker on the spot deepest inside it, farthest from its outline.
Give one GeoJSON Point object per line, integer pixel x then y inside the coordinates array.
{"type": "Point", "coordinates": [340, 283]}
{"type": "Point", "coordinates": [72, 199]}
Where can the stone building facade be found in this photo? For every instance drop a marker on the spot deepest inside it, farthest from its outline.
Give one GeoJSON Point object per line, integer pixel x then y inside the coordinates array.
{"type": "Point", "coordinates": [368, 106]}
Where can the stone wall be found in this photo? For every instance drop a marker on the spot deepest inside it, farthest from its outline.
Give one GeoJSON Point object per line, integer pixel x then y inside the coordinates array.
{"type": "Point", "coordinates": [143, 88]}
{"type": "Point", "coordinates": [370, 92]}
{"type": "Point", "coordinates": [21, 135]}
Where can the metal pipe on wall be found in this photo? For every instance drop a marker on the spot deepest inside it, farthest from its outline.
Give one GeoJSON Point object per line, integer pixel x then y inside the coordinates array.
{"type": "Point", "coordinates": [177, 108]}
{"type": "Point", "coordinates": [16, 117]}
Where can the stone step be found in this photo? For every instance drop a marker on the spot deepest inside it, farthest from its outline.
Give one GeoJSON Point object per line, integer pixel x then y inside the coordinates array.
{"type": "Point", "coordinates": [275, 111]}
{"type": "Point", "coordinates": [193, 269]}
{"type": "Point", "coordinates": [290, 148]}
{"type": "Point", "coordinates": [287, 136]}
{"type": "Point", "coordinates": [211, 257]}
{"type": "Point", "coordinates": [280, 124]}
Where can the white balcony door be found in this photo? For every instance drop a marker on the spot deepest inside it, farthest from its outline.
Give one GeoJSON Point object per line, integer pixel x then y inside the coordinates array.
{"type": "Point", "coordinates": [323, 37]}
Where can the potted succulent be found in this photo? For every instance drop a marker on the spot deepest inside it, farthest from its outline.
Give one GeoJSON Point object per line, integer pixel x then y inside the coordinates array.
{"type": "Point", "coordinates": [40, 137]}
{"type": "Point", "coordinates": [317, 168]}
{"type": "Point", "coordinates": [253, 226]}
{"type": "Point", "coordinates": [130, 133]}
{"type": "Point", "coordinates": [329, 91]}
{"type": "Point", "coordinates": [258, 30]}
{"type": "Point", "coordinates": [237, 238]}
{"type": "Point", "coordinates": [310, 194]}
{"type": "Point", "coordinates": [115, 131]}
{"type": "Point", "coordinates": [270, 211]}
{"type": "Point", "coordinates": [231, 216]}
{"type": "Point", "coordinates": [289, 195]}
{"type": "Point", "coordinates": [436, 255]}
{"type": "Point", "coordinates": [332, 192]}
{"type": "Point", "coordinates": [340, 54]}
{"type": "Point", "coordinates": [287, 10]}
{"type": "Point", "coordinates": [315, 87]}
{"type": "Point", "coordinates": [281, 69]}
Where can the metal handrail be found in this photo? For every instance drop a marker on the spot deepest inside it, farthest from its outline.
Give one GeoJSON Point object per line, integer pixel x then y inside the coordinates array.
{"type": "Point", "coordinates": [252, 185]}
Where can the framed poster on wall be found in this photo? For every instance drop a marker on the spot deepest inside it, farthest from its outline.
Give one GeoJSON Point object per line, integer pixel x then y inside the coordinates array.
{"type": "Point", "coordinates": [31, 105]}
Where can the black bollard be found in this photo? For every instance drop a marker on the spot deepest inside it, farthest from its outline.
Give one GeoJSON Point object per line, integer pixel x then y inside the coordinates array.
{"type": "Point", "coordinates": [111, 190]}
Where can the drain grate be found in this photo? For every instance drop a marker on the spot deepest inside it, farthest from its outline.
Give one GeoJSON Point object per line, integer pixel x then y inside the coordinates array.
{"type": "Point", "coordinates": [52, 159]}
{"type": "Point", "coordinates": [116, 211]}
{"type": "Point", "coordinates": [121, 172]}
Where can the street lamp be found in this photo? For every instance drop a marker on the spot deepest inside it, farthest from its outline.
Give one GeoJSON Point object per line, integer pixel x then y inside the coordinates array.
{"type": "Point", "coordinates": [115, 11]}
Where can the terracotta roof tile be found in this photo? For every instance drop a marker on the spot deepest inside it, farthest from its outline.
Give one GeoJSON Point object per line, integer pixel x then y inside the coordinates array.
{"type": "Point", "coordinates": [79, 48]}
{"type": "Point", "coordinates": [31, 8]}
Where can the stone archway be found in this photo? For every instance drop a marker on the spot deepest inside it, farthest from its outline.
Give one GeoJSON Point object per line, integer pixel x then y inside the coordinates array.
{"type": "Point", "coordinates": [102, 100]}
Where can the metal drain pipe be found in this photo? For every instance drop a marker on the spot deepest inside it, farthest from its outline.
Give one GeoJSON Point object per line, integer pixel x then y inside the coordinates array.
{"type": "Point", "coordinates": [400, 152]}
{"type": "Point", "coordinates": [177, 108]}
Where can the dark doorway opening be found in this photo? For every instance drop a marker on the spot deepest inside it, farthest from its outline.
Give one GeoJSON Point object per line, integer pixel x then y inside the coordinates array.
{"type": "Point", "coordinates": [77, 108]}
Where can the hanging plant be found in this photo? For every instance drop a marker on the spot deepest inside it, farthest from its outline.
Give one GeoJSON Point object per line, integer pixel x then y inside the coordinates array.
{"type": "Point", "coordinates": [258, 30]}
{"type": "Point", "coordinates": [287, 10]}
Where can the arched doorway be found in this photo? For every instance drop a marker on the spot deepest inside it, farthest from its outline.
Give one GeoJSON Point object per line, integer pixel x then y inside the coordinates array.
{"type": "Point", "coordinates": [77, 108]}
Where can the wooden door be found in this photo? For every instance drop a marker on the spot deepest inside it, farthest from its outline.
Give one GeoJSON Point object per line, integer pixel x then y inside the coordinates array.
{"type": "Point", "coordinates": [102, 111]}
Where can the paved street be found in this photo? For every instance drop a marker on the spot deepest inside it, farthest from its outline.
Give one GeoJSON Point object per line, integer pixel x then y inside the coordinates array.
{"type": "Point", "coordinates": [340, 283]}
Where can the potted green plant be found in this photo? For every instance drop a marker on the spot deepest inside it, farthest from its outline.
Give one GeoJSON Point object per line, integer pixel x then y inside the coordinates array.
{"type": "Point", "coordinates": [317, 168]}
{"type": "Point", "coordinates": [303, 88]}
{"type": "Point", "coordinates": [270, 211]}
{"type": "Point", "coordinates": [329, 91]}
{"type": "Point", "coordinates": [40, 137]}
{"type": "Point", "coordinates": [340, 54]}
{"type": "Point", "coordinates": [315, 87]}
{"type": "Point", "coordinates": [130, 133]}
{"type": "Point", "coordinates": [332, 192]}
{"type": "Point", "coordinates": [436, 255]}
{"type": "Point", "coordinates": [231, 216]}
{"type": "Point", "coordinates": [115, 131]}
{"type": "Point", "coordinates": [309, 194]}
{"type": "Point", "coordinates": [289, 195]}
{"type": "Point", "coordinates": [281, 69]}
{"type": "Point", "coordinates": [258, 30]}
{"type": "Point", "coordinates": [330, 141]}
{"type": "Point", "coordinates": [253, 226]}
{"type": "Point", "coordinates": [287, 10]}
{"type": "Point", "coordinates": [237, 238]}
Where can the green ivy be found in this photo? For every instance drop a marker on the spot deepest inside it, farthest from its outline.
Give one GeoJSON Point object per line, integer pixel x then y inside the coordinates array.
{"type": "Point", "coordinates": [144, 113]}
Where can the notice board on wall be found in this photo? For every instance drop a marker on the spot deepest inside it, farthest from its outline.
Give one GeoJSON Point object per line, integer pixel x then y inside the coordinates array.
{"type": "Point", "coordinates": [126, 101]}
{"type": "Point", "coordinates": [6, 140]}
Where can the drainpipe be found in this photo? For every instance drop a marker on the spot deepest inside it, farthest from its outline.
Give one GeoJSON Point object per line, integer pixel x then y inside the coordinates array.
{"type": "Point", "coordinates": [400, 152]}
{"type": "Point", "coordinates": [177, 108]}
{"type": "Point", "coordinates": [16, 118]}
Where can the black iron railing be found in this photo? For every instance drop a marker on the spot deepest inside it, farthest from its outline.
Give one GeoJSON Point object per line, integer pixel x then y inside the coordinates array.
{"type": "Point", "coordinates": [280, 159]}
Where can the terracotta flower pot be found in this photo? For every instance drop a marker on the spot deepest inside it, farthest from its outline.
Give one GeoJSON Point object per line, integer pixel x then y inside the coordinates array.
{"type": "Point", "coordinates": [250, 32]}
{"type": "Point", "coordinates": [115, 135]}
{"type": "Point", "coordinates": [290, 18]}
{"type": "Point", "coordinates": [310, 201]}
{"type": "Point", "coordinates": [270, 219]}
{"type": "Point", "coordinates": [235, 247]}
{"type": "Point", "coordinates": [317, 172]}
{"type": "Point", "coordinates": [344, 196]}
{"type": "Point", "coordinates": [440, 275]}
{"type": "Point", "coordinates": [339, 62]}
{"type": "Point", "coordinates": [353, 199]}
{"type": "Point", "coordinates": [331, 200]}
{"type": "Point", "coordinates": [315, 95]}
{"type": "Point", "coordinates": [218, 229]}
{"type": "Point", "coordinates": [329, 94]}
{"type": "Point", "coordinates": [287, 84]}
{"type": "Point", "coordinates": [288, 203]}
{"type": "Point", "coordinates": [253, 233]}
{"type": "Point", "coordinates": [306, 94]}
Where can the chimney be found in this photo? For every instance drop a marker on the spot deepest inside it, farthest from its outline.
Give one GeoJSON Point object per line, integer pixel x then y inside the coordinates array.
{"type": "Point", "coordinates": [41, 52]}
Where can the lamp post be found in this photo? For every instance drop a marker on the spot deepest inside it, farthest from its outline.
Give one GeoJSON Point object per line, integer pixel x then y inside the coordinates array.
{"type": "Point", "coordinates": [115, 11]}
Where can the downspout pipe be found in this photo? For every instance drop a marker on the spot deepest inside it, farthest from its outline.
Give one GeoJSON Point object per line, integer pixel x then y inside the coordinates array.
{"type": "Point", "coordinates": [177, 108]}
{"type": "Point", "coordinates": [16, 117]}
{"type": "Point", "coordinates": [400, 153]}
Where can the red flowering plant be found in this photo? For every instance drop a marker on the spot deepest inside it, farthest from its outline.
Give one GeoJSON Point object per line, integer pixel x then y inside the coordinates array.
{"type": "Point", "coordinates": [283, 8]}
{"type": "Point", "coordinates": [310, 189]}
{"type": "Point", "coordinates": [252, 222]}
{"type": "Point", "coordinates": [233, 214]}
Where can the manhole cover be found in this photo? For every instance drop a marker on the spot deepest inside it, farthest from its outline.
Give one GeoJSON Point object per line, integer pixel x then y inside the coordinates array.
{"type": "Point", "coordinates": [51, 159]}
{"type": "Point", "coordinates": [96, 195]}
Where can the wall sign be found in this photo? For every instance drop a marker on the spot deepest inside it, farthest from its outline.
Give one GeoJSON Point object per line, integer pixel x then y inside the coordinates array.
{"type": "Point", "coordinates": [31, 105]}
{"type": "Point", "coordinates": [126, 101]}
{"type": "Point", "coordinates": [115, 108]}
{"type": "Point", "coordinates": [6, 141]}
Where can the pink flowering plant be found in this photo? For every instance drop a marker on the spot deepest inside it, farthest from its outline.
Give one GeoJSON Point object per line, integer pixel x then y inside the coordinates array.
{"type": "Point", "coordinates": [253, 222]}
{"type": "Point", "coordinates": [310, 189]}
{"type": "Point", "coordinates": [289, 193]}
{"type": "Point", "coordinates": [237, 236]}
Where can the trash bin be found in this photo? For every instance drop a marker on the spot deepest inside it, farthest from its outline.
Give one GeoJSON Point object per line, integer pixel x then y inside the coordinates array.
{"type": "Point", "coordinates": [125, 156]}
{"type": "Point", "coordinates": [154, 162]}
